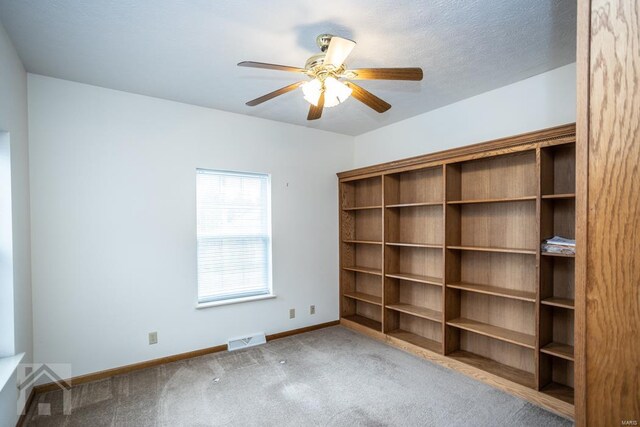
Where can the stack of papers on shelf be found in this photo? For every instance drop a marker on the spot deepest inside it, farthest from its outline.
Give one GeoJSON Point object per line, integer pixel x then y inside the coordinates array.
{"type": "Point", "coordinates": [559, 245]}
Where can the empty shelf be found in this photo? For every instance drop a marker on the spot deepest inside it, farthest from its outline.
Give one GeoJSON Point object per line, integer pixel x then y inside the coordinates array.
{"type": "Point", "coordinates": [563, 351]}
{"type": "Point", "coordinates": [416, 278]}
{"type": "Point", "coordinates": [559, 302]}
{"type": "Point", "coordinates": [363, 242]}
{"type": "Point", "coordinates": [516, 375]}
{"type": "Point", "coordinates": [416, 245]}
{"type": "Point", "coordinates": [507, 335]}
{"type": "Point", "coordinates": [360, 208]}
{"type": "Point", "coordinates": [360, 296]}
{"type": "Point", "coordinates": [559, 391]}
{"type": "Point", "coordinates": [494, 249]}
{"type": "Point", "coordinates": [414, 310]}
{"type": "Point", "coordinates": [497, 200]}
{"type": "Point", "coordinates": [364, 321]}
{"type": "Point", "coordinates": [559, 196]}
{"type": "Point", "coordinates": [557, 254]}
{"type": "Point", "coordinates": [412, 205]}
{"type": "Point", "coordinates": [418, 340]}
{"type": "Point", "coordinates": [366, 270]}
{"type": "Point", "coordinates": [495, 291]}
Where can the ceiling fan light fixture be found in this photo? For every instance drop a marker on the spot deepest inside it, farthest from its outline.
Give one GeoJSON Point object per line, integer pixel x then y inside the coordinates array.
{"type": "Point", "coordinates": [335, 92]}
{"type": "Point", "coordinates": [312, 90]}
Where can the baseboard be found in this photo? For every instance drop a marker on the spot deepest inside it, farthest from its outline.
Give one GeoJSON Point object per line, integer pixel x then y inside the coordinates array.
{"type": "Point", "coordinates": [27, 406]}
{"type": "Point", "coordinates": [81, 379]}
{"type": "Point", "coordinates": [301, 330]}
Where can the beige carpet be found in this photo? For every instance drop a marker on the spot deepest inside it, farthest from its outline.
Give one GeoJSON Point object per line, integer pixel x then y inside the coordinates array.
{"type": "Point", "coordinates": [330, 377]}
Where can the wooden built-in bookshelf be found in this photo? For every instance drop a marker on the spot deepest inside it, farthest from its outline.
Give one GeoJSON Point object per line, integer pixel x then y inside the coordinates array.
{"type": "Point", "coordinates": [441, 255]}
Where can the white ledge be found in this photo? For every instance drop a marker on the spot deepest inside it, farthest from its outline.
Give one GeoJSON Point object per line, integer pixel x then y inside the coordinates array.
{"type": "Point", "coordinates": [7, 367]}
{"type": "Point", "coordinates": [233, 301]}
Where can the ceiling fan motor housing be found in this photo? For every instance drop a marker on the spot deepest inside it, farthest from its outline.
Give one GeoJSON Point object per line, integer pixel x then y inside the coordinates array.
{"type": "Point", "coordinates": [323, 41]}
{"type": "Point", "coordinates": [316, 60]}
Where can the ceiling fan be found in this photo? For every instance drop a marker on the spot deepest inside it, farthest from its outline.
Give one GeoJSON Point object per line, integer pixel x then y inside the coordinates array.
{"type": "Point", "coordinates": [329, 84]}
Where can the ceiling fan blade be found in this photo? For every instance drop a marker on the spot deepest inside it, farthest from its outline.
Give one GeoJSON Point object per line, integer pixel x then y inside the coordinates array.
{"type": "Point", "coordinates": [315, 111]}
{"type": "Point", "coordinates": [273, 94]}
{"type": "Point", "coordinates": [388, 74]}
{"type": "Point", "coordinates": [368, 98]}
{"type": "Point", "coordinates": [252, 64]}
{"type": "Point", "coordinates": [338, 51]}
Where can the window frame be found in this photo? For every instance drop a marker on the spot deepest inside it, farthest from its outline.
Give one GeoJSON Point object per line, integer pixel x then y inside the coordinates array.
{"type": "Point", "coordinates": [203, 303]}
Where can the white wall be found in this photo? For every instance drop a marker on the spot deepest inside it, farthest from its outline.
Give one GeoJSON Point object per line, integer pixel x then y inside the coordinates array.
{"type": "Point", "coordinates": [539, 102]}
{"type": "Point", "coordinates": [15, 284]}
{"type": "Point", "coordinates": [113, 219]}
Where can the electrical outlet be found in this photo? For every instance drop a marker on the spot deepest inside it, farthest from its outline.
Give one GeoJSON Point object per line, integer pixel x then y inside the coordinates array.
{"type": "Point", "coordinates": [312, 309]}
{"type": "Point", "coordinates": [292, 313]}
{"type": "Point", "coordinates": [153, 338]}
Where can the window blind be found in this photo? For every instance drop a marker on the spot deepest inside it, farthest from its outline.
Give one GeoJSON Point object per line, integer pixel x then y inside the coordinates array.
{"type": "Point", "coordinates": [234, 234]}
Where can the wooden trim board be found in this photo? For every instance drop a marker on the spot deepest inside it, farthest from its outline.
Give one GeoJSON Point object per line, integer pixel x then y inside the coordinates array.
{"type": "Point", "coordinates": [554, 405]}
{"type": "Point", "coordinates": [108, 373]}
{"type": "Point", "coordinates": [474, 150]}
{"type": "Point", "coordinates": [302, 330]}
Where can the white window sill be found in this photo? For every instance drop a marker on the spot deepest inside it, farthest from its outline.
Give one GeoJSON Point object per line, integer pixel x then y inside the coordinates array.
{"type": "Point", "coordinates": [233, 301]}
{"type": "Point", "coordinates": [8, 366]}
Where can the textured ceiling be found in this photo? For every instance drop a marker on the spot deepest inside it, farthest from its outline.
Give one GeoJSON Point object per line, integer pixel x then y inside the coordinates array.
{"type": "Point", "coordinates": [187, 50]}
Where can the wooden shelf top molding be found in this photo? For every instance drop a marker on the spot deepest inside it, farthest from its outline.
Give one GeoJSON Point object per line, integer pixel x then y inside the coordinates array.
{"type": "Point", "coordinates": [556, 135]}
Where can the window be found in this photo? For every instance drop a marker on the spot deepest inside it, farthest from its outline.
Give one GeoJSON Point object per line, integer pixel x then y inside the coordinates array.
{"type": "Point", "coordinates": [234, 235]}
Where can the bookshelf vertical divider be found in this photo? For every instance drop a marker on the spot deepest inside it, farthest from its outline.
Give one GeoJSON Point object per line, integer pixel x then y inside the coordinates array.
{"type": "Point", "coordinates": [383, 281]}
{"type": "Point", "coordinates": [538, 256]}
{"type": "Point", "coordinates": [440, 255]}
{"type": "Point", "coordinates": [451, 270]}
